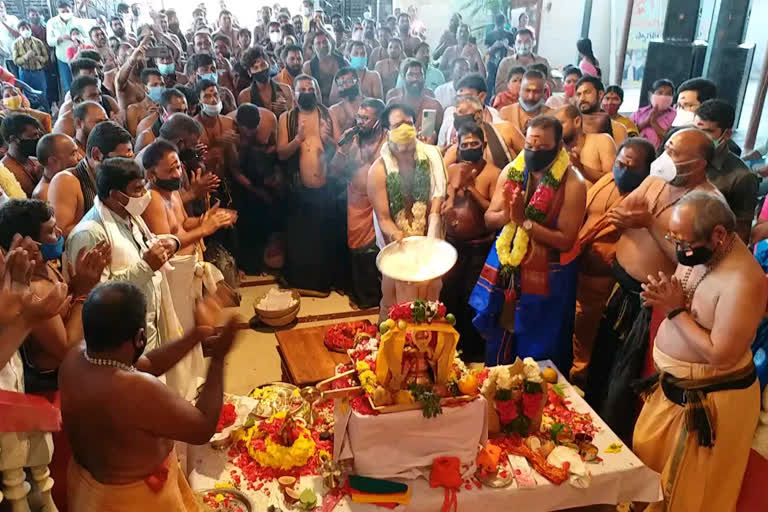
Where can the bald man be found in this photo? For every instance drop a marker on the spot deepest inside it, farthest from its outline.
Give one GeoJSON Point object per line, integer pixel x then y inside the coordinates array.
{"type": "Point", "coordinates": [713, 305]}
{"type": "Point", "coordinates": [530, 103]}
{"type": "Point", "coordinates": [642, 250]}
{"type": "Point", "coordinates": [55, 152]}
{"type": "Point", "coordinates": [591, 153]}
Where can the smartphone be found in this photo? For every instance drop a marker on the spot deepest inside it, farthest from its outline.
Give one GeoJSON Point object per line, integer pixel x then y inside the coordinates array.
{"type": "Point", "coordinates": [428, 118]}
{"type": "Point", "coordinates": [159, 52]}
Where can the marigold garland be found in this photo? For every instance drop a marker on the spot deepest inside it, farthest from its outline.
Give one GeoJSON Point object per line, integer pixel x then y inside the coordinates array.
{"type": "Point", "coordinates": [512, 243]}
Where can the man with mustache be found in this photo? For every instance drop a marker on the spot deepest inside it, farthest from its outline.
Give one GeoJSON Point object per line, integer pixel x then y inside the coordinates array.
{"type": "Point", "coordinates": [324, 65]}
{"type": "Point", "coordinates": [592, 154]}
{"type": "Point", "coordinates": [589, 94]}
{"type": "Point", "coordinates": [293, 57]}
{"type": "Point", "coordinates": [414, 97]}
{"type": "Point", "coordinates": [531, 101]}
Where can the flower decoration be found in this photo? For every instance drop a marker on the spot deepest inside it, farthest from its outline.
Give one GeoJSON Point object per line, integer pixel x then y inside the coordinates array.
{"type": "Point", "coordinates": [264, 444]}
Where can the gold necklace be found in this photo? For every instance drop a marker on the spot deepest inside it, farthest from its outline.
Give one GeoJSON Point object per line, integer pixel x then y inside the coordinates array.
{"type": "Point", "coordinates": [716, 259]}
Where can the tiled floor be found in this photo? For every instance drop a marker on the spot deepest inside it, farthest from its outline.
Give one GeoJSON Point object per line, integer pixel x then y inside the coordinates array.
{"type": "Point", "coordinates": [254, 359]}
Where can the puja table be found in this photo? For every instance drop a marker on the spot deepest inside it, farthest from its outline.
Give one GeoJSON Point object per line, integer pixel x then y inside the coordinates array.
{"type": "Point", "coordinates": [619, 477]}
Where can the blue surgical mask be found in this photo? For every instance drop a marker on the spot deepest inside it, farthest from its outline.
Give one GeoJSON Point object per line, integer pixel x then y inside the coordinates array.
{"type": "Point", "coordinates": [358, 62]}
{"type": "Point", "coordinates": [167, 69]}
{"type": "Point", "coordinates": [273, 70]}
{"type": "Point", "coordinates": [52, 251]}
{"type": "Point", "coordinates": [530, 108]}
{"type": "Point", "coordinates": [155, 93]}
{"type": "Point", "coordinates": [213, 77]}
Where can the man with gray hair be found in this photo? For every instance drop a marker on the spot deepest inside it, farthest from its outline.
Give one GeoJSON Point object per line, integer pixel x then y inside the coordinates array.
{"type": "Point", "coordinates": [702, 414]}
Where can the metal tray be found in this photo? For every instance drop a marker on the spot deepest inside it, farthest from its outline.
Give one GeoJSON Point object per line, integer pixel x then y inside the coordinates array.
{"type": "Point", "coordinates": [432, 257]}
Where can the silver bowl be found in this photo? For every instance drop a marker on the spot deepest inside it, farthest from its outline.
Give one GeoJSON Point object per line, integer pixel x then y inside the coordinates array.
{"type": "Point", "coordinates": [416, 259]}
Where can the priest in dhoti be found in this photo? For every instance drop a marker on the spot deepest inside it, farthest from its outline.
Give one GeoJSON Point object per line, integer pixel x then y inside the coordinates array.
{"type": "Point", "coordinates": [700, 414]}
{"type": "Point", "coordinates": [406, 185]}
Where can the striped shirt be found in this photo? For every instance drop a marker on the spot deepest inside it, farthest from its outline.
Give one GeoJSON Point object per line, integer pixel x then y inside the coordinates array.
{"type": "Point", "coordinates": [38, 53]}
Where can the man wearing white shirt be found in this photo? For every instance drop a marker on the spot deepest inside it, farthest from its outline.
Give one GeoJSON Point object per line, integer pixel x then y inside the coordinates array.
{"type": "Point", "coordinates": [472, 85]}
{"type": "Point", "coordinates": [446, 93]}
{"type": "Point", "coordinates": [8, 34]}
{"type": "Point", "coordinates": [57, 35]}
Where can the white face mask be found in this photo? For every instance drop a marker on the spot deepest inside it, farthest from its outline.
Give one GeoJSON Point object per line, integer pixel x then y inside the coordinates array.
{"type": "Point", "coordinates": [26, 34]}
{"type": "Point", "coordinates": [683, 117]}
{"type": "Point", "coordinates": [357, 35]}
{"type": "Point", "coordinates": [212, 110]}
{"type": "Point", "coordinates": [275, 37]}
{"type": "Point", "coordinates": [66, 16]}
{"type": "Point", "coordinates": [137, 205]}
{"type": "Point", "coordinates": [666, 169]}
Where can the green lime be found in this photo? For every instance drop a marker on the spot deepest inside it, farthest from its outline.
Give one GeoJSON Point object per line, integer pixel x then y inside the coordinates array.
{"type": "Point", "coordinates": [383, 328]}
{"type": "Point", "coordinates": [450, 319]}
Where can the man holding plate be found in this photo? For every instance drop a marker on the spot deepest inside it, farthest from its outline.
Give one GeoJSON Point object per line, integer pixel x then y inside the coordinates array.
{"type": "Point", "coordinates": [406, 185]}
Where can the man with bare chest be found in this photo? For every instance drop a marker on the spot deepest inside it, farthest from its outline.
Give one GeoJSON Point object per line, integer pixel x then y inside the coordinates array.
{"type": "Point", "coordinates": [369, 82]}
{"type": "Point", "coordinates": [126, 462]}
{"type": "Point", "coordinates": [305, 144]}
{"type": "Point", "coordinates": [359, 147]}
{"type": "Point", "coordinates": [264, 91]}
{"type": "Point", "coordinates": [22, 132]}
{"type": "Point", "coordinates": [343, 113]}
{"type": "Point", "coordinates": [592, 154]}
{"type": "Point", "coordinates": [128, 85]}
{"type": "Point", "coordinates": [530, 103]}
{"type": "Point", "coordinates": [414, 97]}
{"type": "Point", "coordinates": [712, 306]}
{"type": "Point", "coordinates": [388, 67]}
{"type": "Point", "coordinates": [642, 251]}
{"type": "Point", "coordinates": [165, 215]}
{"type": "Point", "coordinates": [324, 66]}
{"type": "Point", "coordinates": [471, 181]}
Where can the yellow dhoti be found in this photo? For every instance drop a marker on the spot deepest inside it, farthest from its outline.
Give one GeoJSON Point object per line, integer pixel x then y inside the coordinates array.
{"type": "Point", "coordinates": [698, 478]}
{"type": "Point", "coordinates": [85, 494]}
{"type": "Point", "coordinates": [591, 296]}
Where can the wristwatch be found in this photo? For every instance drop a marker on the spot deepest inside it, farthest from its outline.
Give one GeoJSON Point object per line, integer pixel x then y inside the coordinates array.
{"type": "Point", "coordinates": [528, 225]}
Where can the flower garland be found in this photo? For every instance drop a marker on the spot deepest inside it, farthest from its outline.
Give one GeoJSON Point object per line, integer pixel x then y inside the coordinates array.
{"type": "Point", "coordinates": [517, 395]}
{"type": "Point", "coordinates": [418, 188]}
{"type": "Point", "coordinates": [512, 243]}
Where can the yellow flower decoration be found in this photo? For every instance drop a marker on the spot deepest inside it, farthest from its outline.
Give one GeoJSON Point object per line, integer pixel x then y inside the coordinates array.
{"type": "Point", "coordinates": [361, 366]}
{"type": "Point", "coordinates": [276, 455]}
{"type": "Point", "coordinates": [368, 381]}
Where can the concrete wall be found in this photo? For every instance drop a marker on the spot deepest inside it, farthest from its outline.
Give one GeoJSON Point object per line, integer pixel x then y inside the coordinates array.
{"type": "Point", "coordinates": [560, 29]}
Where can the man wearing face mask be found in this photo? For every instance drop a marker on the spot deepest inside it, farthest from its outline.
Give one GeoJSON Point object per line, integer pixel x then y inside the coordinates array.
{"type": "Point", "coordinates": [49, 340]}
{"type": "Point", "coordinates": [596, 247]}
{"type": "Point", "coordinates": [524, 56]}
{"type": "Point", "coordinates": [306, 145]}
{"type": "Point", "coordinates": [712, 306]}
{"type": "Point", "coordinates": [30, 55]}
{"type": "Point", "coordinates": [655, 120]}
{"type": "Point", "coordinates": [530, 103]}
{"type": "Point", "coordinates": [55, 152]}
{"type": "Point", "coordinates": [219, 134]}
{"type": "Point", "coordinates": [643, 219]}
{"type": "Point", "coordinates": [501, 139]}
{"type": "Point", "coordinates": [413, 96]}
{"type": "Point", "coordinates": [472, 85]}
{"type": "Point", "coordinates": [203, 67]}
{"type": "Point", "coordinates": [690, 95]}
{"type": "Point", "coordinates": [532, 278]}
{"type": "Point", "coordinates": [121, 463]}
{"type": "Point", "coordinates": [154, 86]}
{"type": "Point", "coordinates": [265, 92]}
{"type": "Point", "coordinates": [344, 112]}
{"type": "Point", "coordinates": [727, 171]}
{"type": "Point", "coordinates": [22, 132]}
{"type": "Point", "coordinates": [406, 197]}
{"type": "Point", "coordinates": [72, 192]}
{"type": "Point", "coordinates": [137, 254]}
{"type": "Point", "coordinates": [359, 147]}
{"type": "Point", "coordinates": [369, 82]}
{"type": "Point", "coordinates": [324, 65]}
{"type": "Point", "coordinates": [592, 154]}
{"type": "Point", "coordinates": [172, 101]}
{"type": "Point", "coordinates": [165, 215]}
{"type": "Point", "coordinates": [471, 180]}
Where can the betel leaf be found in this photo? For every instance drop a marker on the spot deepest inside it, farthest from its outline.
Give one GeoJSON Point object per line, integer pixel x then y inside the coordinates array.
{"type": "Point", "coordinates": [429, 400]}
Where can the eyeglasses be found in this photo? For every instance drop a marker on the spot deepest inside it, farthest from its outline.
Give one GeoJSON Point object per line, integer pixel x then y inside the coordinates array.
{"type": "Point", "coordinates": [346, 83]}
{"type": "Point", "coordinates": [680, 244]}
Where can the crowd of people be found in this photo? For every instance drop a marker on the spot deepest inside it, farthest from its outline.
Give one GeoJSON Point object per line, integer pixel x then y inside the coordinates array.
{"type": "Point", "coordinates": [163, 163]}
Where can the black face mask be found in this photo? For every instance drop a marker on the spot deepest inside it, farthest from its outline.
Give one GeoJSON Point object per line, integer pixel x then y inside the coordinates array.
{"type": "Point", "coordinates": [462, 120]}
{"type": "Point", "coordinates": [626, 180]}
{"type": "Point", "coordinates": [169, 184]}
{"type": "Point", "coordinates": [307, 100]}
{"type": "Point", "coordinates": [350, 92]}
{"type": "Point", "coordinates": [541, 159]}
{"type": "Point", "coordinates": [471, 155]}
{"type": "Point", "coordinates": [28, 146]}
{"type": "Point", "coordinates": [694, 255]}
{"type": "Point", "coordinates": [260, 77]}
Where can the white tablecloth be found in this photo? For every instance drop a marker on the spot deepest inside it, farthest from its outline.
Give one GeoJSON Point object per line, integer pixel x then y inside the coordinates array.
{"type": "Point", "coordinates": [619, 478]}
